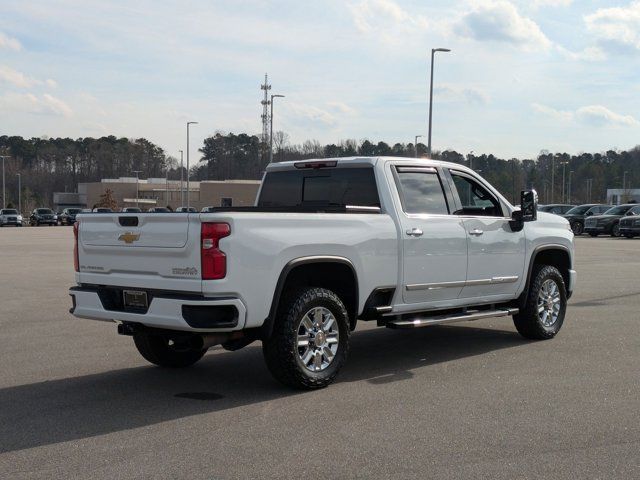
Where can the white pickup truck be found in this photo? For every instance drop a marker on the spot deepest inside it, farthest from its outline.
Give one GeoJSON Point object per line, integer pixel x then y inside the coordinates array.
{"type": "Point", "coordinates": [404, 242]}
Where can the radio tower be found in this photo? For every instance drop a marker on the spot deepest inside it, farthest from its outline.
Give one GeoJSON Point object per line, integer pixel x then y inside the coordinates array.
{"type": "Point", "coordinates": [265, 114]}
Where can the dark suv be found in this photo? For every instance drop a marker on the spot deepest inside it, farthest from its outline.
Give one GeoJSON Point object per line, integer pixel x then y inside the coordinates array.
{"type": "Point", "coordinates": [68, 216]}
{"type": "Point", "coordinates": [630, 223]}
{"type": "Point", "coordinates": [43, 216]}
{"type": "Point", "coordinates": [577, 215]}
{"type": "Point", "coordinates": [557, 208]}
{"type": "Point", "coordinates": [608, 222]}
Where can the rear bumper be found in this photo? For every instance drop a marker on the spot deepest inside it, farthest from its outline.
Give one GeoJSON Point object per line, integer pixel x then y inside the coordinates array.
{"type": "Point", "coordinates": [166, 310]}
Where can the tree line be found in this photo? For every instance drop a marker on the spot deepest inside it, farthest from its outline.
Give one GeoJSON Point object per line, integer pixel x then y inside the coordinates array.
{"type": "Point", "coordinates": [50, 165]}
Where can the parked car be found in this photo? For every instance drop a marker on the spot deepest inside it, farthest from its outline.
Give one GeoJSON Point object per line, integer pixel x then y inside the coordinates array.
{"type": "Point", "coordinates": [10, 216]}
{"type": "Point", "coordinates": [102, 210]}
{"type": "Point", "coordinates": [406, 243]}
{"type": "Point", "coordinates": [186, 210]}
{"type": "Point", "coordinates": [131, 210]}
{"type": "Point", "coordinates": [557, 208]}
{"type": "Point", "coordinates": [207, 209]}
{"type": "Point", "coordinates": [577, 215]}
{"type": "Point", "coordinates": [43, 216]}
{"type": "Point", "coordinates": [159, 210]}
{"type": "Point", "coordinates": [609, 222]}
{"type": "Point", "coordinates": [630, 223]}
{"type": "Point", "coordinates": [68, 216]}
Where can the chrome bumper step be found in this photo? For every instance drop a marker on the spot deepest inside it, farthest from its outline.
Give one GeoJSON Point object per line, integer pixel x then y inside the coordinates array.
{"type": "Point", "coordinates": [453, 318]}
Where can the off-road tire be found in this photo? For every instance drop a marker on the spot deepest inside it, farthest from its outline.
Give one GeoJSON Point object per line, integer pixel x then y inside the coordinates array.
{"type": "Point", "coordinates": [281, 348]}
{"type": "Point", "coordinates": [527, 321]}
{"type": "Point", "coordinates": [156, 349]}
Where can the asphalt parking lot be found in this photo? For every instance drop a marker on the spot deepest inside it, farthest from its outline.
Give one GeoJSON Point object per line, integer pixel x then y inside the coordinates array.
{"type": "Point", "coordinates": [466, 401]}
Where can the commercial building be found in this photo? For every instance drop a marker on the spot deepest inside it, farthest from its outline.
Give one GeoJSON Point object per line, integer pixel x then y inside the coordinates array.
{"type": "Point", "coordinates": [617, 196]}
{"type": "Point", "coordinates": [158, 192]}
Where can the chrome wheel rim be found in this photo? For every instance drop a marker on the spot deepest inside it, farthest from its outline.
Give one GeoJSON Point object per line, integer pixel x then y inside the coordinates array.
{"type": "Point", "coordinates": [318, 339]}
{"type": "Point", "coordinates": [549, 300]}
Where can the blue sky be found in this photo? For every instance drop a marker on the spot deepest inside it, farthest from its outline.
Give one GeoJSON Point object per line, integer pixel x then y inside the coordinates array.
{"type": "Point", "coordinates": [522, 76]}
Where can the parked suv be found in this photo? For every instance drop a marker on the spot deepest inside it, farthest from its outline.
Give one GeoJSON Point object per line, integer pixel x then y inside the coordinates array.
{"type": "Point", "coordinates": [630, 223]}
{"type": "Point", "coordinates": [43, 216]}
{"type": "Point", "coordinates": [10, 216]}
{"type": "Point", "coordinates": [186, 210]}
{"type": "Point", "coordinates": [608, 222]}
{"type": "Point", "coordinates": [557, 208]}
{"type": "Point", "coordinates": [577, 215]}
{"type": "Point", "coordinates": [131, 210]}
{"type": "Point", "coordinates": [68, 216]}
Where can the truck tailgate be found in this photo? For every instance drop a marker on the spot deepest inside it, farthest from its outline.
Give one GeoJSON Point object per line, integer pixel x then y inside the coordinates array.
{"type": "Point", "coordinates": [148, 251]}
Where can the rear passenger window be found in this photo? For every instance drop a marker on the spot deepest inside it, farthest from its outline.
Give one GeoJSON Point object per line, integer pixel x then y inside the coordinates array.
{"type": "Point", "coordinates": [421, 191]}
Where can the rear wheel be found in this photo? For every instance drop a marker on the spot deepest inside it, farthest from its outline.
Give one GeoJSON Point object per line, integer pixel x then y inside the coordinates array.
{"type": "Point", "coordinates": [577, 228]}
{"type": "Point", "coordinates": [546, 304]}
{"type": "Point", "coordinates": [163, 351]}
{"type": "Point", "coordinates": [615, 231]}
{"type": "Point", "coordinates": [310, 339]}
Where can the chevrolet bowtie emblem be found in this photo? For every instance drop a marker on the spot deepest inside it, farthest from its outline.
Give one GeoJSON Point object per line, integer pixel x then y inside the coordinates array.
{"type": "Point", "coordinates": [129, 237]}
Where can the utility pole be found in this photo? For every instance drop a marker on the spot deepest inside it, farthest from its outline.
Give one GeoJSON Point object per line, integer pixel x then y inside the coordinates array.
{"type": "Point", "coordinates": [137, 172]}
{"type": "Point", "coordinates": [564, 164]}
{"type": "Point", "coordinates": [266, 120]}
{"type": "Point", "coordinates": [181, 179]}
{"type": "Point", "coordinates": [415, 144]}
{"type": "Point", "coordinates": [271, 128]}
{"type": "Point", "coordinates": [433, 52]}
{"type": "Point", "coordinates": [188, 124]}
{"type": "Point", "coordinates": [166, 184]}
{"type": "Point", "coordinates": [589, 182]}
{"type": "Point", "coordinates": [19, 194]}
{"type": "Point", "coordinates": [569, 187]}
{"type": "Point", "coordinates": [4, 190]}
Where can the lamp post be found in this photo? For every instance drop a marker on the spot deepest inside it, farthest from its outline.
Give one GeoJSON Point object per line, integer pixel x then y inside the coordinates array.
{"type": "Point", "coordinates": [137, 172]}
{"type": "Point", "coordinates": [181, 179]}
{"type": "Point", "coordinates": [188, 123]}
{"type": "Point", "coordinates": [624, 184]}
{"type": "Point", "coordinates": [569, 187]}
{"type": "Point", "coordinates": [415, 144]}
{"type": "Point", "coordinates": [433, 52]}
{"type": "Point", "coordinates": [271, 129]}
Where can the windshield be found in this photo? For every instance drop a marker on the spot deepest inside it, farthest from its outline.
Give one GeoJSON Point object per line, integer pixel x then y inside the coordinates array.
{"type": "Point", "coordinates": [73, 211]}
{"type": "Point", "coordinates": [44, 211]}
{"type": "Point", "coordinates": [9, 211]}
{"type": "Point", "coordinates": [580, 210]}
{"type": "Point", "coordinates": [619, 210]}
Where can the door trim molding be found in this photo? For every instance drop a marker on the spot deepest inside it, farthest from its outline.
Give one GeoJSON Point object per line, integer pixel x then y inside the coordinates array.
{"type": "Point", "coordinates": [461, 284]}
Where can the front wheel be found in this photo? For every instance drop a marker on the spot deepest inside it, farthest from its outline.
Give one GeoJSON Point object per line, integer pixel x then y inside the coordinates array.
{"type": "Point", "coordinates": [165, 352]}
{"type": "Point", "coordinates": [545, 307]}
{"type": "Point", "coordinates": [310, 339]}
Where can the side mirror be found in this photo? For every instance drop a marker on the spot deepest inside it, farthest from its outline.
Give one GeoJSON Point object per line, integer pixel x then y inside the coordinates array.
{"type": "Point", "coordinates": [529, 205]}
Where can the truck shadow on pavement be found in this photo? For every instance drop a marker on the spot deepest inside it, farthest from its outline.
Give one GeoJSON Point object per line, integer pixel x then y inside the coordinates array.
{"type": "Point", "coordinates": [67, 409]}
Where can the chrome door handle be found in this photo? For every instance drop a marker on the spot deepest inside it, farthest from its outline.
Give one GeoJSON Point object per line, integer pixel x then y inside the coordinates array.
{"type": "Point", "coordinates": [414, 232]}
{"type": "Point", "coordinates": [476, 231]}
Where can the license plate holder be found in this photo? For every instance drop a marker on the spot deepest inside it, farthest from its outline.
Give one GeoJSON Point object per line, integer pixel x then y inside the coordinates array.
{"type": "Point", "coordinates": [136, 299]}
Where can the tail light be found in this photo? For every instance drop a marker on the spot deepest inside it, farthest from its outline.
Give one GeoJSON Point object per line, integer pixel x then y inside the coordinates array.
{"type": "Point", "coordinates": [214, 261]}
{"type": "Point", "coordinates": [76, 261]}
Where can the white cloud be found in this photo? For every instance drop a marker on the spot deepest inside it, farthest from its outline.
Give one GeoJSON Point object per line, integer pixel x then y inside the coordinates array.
{"type": "Point", "coordinates": [15, 78]}
{"type": "Point", "coordinates": [51, 83]}
{"type": "Point", "coordinates": [9, 43]}
{"type": "Point", "coordinates": [591, 54]}
{"type": "Point", "coordinates": [552, 3]}
{"type": "Point", "coordinates": [312, 114]}
{"type": "Point", "coordinates": [552, 112]}
{"type": "Point", "coordinates": [500, 21]}
{"type": "Point", "coordinates": [385, 18]}
{"type": "Point", "coordinates": [599, 116]}
{"type": "Point", "coordinates": [33, 104]}
{"type": "Point", "coordinates": [593, 115]}
{"type": "Point", "coordinates": [342, 108]}
{"type": "Point", "coordinates": [616, 28]}
{"type": "Point", "coordinates": [471, 95]}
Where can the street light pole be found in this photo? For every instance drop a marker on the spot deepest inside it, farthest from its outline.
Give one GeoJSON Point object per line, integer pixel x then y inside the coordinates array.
{"type": "Point", "coordinates": [564, 164]}
{"type": "Point", "coordinates": [415, 144]}
{"type": "Point", "coordinates": [624, 184]}
{"type": "Point", "coordinates": [569, 187]}
{"type": "Point", "coordinates": [188, 123]}
{"type": "Point", "coordinates": [181, 179]}
{"type": "Point", "coordinates": [433, 52]}
{"type": "Point", "coordinates": [271, 129]}
{"type": "Point", "coordinates": [553, 178]}
{"type": "Point", "coordinates": [4, 190]}
{"type": "Point", "coordinates": [137, 172]}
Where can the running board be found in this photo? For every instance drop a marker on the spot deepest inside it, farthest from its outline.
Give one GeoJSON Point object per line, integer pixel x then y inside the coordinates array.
{"type": "Point", "coordinates": [458, 317]}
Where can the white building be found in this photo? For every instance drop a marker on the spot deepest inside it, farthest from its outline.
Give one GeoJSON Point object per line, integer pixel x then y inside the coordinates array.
{"type": "Point", "coordinates": [616, 196]}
